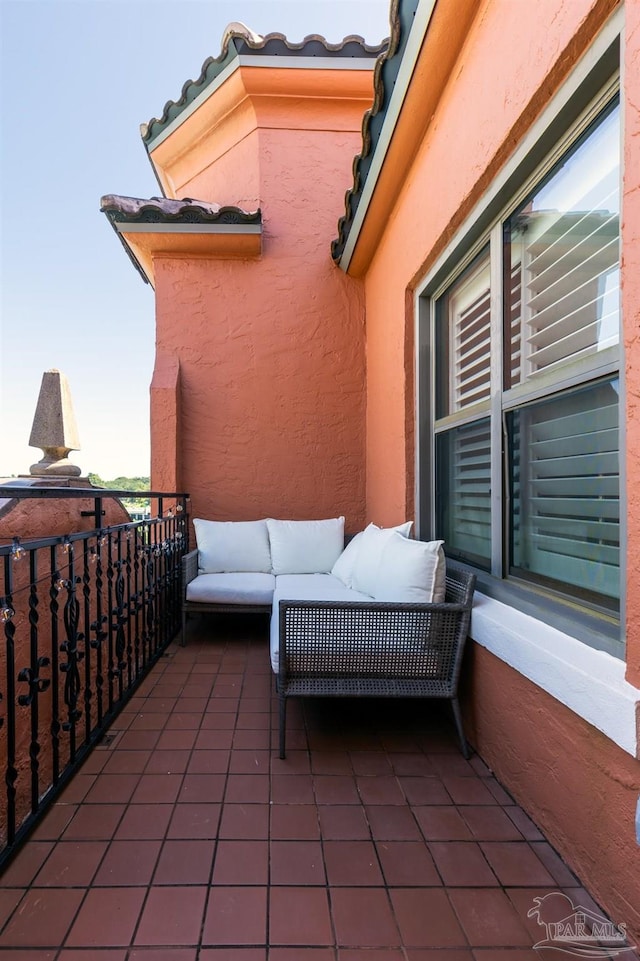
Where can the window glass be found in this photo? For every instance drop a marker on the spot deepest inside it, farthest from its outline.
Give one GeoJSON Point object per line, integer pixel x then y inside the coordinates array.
{"type": "Point", "coordinates": [463, 491]}
{"type": "Point", "coordinates": [565, 497]}
{"type": "Point", "coordinates": [561, 263]}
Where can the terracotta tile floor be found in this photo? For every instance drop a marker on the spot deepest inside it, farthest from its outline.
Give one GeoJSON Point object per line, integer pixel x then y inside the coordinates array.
{"type": "Point", "coordinates": [185, 838]}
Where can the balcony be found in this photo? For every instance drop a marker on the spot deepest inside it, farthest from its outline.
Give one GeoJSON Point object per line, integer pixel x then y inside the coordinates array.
{"type": "Point", "coordinates": [177, 834]}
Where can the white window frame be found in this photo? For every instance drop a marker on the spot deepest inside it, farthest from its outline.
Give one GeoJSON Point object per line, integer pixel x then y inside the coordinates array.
{"type": "Point", "coordinates": [589, 681]}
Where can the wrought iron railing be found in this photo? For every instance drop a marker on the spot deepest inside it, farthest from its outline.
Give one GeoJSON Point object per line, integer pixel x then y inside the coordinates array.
{"type": "Point", "coordinates": [83, 617]}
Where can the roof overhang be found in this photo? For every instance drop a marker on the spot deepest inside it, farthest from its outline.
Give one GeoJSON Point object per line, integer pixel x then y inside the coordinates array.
{"type": "Point", "coordinates": [426, 37]}
{"type": "Point", "coordinates": [149, 229]}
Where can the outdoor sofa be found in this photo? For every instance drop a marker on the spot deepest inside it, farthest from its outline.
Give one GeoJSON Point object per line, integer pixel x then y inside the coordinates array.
{"type": "Point", "coordinates": [381, 615]}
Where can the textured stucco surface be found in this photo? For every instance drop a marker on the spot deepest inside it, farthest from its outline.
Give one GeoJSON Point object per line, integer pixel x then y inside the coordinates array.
{"type": "Point", "coordinates": [271, 351]}
{"type": "Point", "coordinates": [580, 788]}
{"type": "Point", "coordinates": [578, 785]}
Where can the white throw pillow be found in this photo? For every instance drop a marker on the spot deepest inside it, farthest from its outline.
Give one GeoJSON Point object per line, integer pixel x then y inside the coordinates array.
{"type": "Point", "coordinates": [343, 567]}
{"type": "Point", "coordinates": [369, 551]}
{"type": "Point", "coordinates": [229, 546]}
{"type": "Point", "coordinates": [411, 571]}
{"type": "Point", "coordinates": [305, 547]}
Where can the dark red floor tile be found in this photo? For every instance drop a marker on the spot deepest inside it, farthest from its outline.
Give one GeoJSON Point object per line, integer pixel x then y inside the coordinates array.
{"type": "Point", "coordinates": [380, 789]}
{"type": "Point", "coordinates": [335, 789]}
{"type": "Point", "coordinates": [93, 954]}
{"type": "Point", "coordinates": [424, 790]}
{"type": "Point", "coordinates": [352, 863]}
{"type": "Point", "coordinates": [241, 862]}
{"type": "Point", "coordinates": [462, 863]}
{"type": "Point", "coordinates": [208, 762]}
{"type": "Point", "coordinates": [501, 796]}
{"type": "Point", "coordinates": [468, 790]}
{"type": "Point", "coordinates": [138, 740]}
{"type": "Point", "coordinates": [199, 788]}
{"type": "Point", "coordinates": [244, 821]}
{"type": "Point", "coordinates": [363, 918]}
{"type": "Point", "coordinates": [194, 821]}
{"type": "Point", "coordinates": [407, 863]}
{"type": "Point", "coordinates": [292, 789]}
{"type": "Point", "coordinates": [296, 862]}
{"type": "Point", "coordinates": [250, 762]}
{"type": "Point", "coordinates": [236, 916]}
{"type": "Point", "coordinates": [516, 864]}
{"type": "Point", "coordinates": [107, 918]}
{"type": "Point", "coordinates": [296, 762]}
{"type": "Point", "coordinates": [21, 871]}
{"type": "Point", "coordinates": [112, 789]}
{"type": "Point", "coordinates": [524, 824]}
{"type": "Point", "coordinates": [77, 789]}
{"type": "Point", "coordinates": [247, 789]}
{"type": "Point", "coordinates": [299, 916]}
{"type": "Point", "coordinates": [411, 765]}
{"type": "Point", "coordinates": [489, 918]}
{"type": "Point", "coordinates": [452, 765]}
{"type": "Point", "coordinates": [490, 823]}
{"type": "Point", "coordinates": [233, 954]}
{"type": "Point", "coordinates": [148, 721]}
{"type": "Point", "coordinates": [343, 821]}
{"type": "Point", "coordinates": [176, 740]}
{"type": "Point", "coordinates": [54, 822]}
{"type": "Point", "coordinates": [392, 823]}
{"type": "Point", "coordinates": [127, 762]}
{"type": "Point", "coordinates": [158, 788]}
{"type": "Point", "coordinates": [185, 862]}
{"type": "Point", "coordinates": [302, 954]}
{"type": "Point", "coordinates": [71, 864]}
{"type": "Point", "coordinates": [94, 822]}
{"type": "Point", "coordinates": [183, 722]}
{"type": "Point", "coordinates": [9, 899]}
{"type": "Point", "coordinates": [253, 740]}
{"type": "Point", "coordinates": [41, 919]}
{"type": "Point", "coordinates": [442, 823]}
{"type": "Point", "coordinates": [331, 762]}
{"type": "Point", "coordinates": [128, 863]}
{"type": "Point", "coordinates": [167, 762]}
{"type": "Point", "coordinates": [294, 822]}
{"type": "Point", "coordinates": [144, 821]}
{"type": "Point", "coordinates": [213, 740]}
{"type": "Point", "coordinates": [426, 919]}
{"type": "Point", "coordinates": [439, 954]}
{"type": "Point", "coordinates": [554, 864]}
{"type": "Point", "coordinates": [371, 763]}
{"type": "Point", "coordinates": [369, 954]}
{"type": "Point", "coordinates": [172, 916]}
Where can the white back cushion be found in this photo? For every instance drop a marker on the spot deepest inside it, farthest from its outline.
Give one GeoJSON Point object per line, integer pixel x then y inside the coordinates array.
{"type": "Point", "coordinates": [305, 547]}
{"type": "Point", "coordinates": [368, 553]}
{"type": "Point", "coordinates": [411, 571]}
{"type": "Point", "coordinates": [232, 546]}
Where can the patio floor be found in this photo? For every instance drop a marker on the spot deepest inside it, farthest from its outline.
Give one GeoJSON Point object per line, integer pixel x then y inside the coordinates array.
{"type": "Point", "coordinates": [185, 838]}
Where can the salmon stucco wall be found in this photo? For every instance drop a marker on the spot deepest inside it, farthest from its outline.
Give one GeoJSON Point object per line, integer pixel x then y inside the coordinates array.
{"type": "Point", "coordinates": [271, 351]}
{"type": "Point", "coordinates": [580, 788]}
{"type": "Point", "coordinates": [575, 782]}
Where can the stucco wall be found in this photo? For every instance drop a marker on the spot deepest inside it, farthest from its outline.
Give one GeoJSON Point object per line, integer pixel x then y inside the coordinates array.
{"type": "Point", "coordinates": [271, 351]}
{"type": "Point", "coordinates": [575, 782]}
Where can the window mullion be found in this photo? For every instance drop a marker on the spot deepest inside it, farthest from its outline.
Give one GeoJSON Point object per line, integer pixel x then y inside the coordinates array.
{"type": "Point", "coordinates": [497, 483]}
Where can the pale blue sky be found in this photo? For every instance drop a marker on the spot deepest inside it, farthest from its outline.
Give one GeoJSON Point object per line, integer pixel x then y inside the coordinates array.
{"type": "Point", "coordinates": [78, 77]}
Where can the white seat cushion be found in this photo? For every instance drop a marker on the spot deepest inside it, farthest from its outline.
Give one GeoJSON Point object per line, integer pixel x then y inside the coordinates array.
{"type": "Point", "coordinates": [238, 588]}
{"type": "Point", "coordinates": [229, 546]}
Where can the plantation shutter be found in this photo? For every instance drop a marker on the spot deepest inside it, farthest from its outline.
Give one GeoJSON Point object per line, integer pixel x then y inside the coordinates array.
{"type": "Point", "coordinates": [565, 486]}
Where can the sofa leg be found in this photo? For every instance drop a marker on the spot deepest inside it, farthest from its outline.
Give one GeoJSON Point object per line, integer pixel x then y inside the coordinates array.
{"type": "Point", "coordinates": [464, 745]}
{"type": "Point", "coordinates": [283, 724]}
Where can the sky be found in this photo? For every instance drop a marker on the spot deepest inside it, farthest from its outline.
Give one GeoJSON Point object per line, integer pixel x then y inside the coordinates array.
{"type": "Point", "coordinates": [78, 77]}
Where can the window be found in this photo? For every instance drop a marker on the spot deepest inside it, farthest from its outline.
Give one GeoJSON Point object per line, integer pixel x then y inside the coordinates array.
{"type": "Point", "coordinates": [525, 372]}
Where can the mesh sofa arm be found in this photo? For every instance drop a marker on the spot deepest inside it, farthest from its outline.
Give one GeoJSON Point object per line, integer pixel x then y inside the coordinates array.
{"type": "Point", "coordinates": [380, 649]}
{"type": "Point", "coordinates": [189, 569]}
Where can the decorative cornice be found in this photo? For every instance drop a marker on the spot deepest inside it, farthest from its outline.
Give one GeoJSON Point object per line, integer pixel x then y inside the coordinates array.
{"type": "Point", "coordinates": [238, 40]}
{"type": "Point", "coordinates": [384, 76]}
{"type": "Point", "coordinates": [161, 210]}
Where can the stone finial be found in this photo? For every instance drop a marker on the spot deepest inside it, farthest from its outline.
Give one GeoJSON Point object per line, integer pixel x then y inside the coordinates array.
{"type": "Point", "coordinates": [54, 427]}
